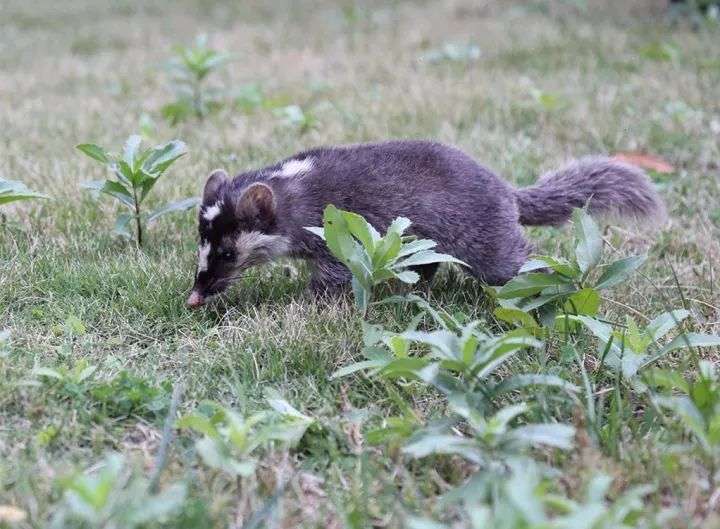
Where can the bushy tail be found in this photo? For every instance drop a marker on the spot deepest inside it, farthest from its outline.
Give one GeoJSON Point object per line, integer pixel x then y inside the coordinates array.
{"type": "Point", "coordinates": [605, 185]}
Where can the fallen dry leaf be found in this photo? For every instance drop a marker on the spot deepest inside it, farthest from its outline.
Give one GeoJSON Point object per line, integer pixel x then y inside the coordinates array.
{"type": "Point", "coordinates": [645, 161]}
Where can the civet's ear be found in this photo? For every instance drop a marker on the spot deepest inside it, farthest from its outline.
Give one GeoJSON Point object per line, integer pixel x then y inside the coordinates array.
{"type": "Point", "coordinates": [214, 182]}
{"type": "Point", "coordinates": [257, 202]}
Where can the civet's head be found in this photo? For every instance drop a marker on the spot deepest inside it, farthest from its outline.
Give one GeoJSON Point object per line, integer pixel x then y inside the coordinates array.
{"type": "Point", "coordinates": [237, 230]}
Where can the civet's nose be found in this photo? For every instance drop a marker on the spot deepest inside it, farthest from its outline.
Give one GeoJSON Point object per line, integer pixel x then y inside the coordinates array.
{"type": "Point", "coordinates": [195, 300]}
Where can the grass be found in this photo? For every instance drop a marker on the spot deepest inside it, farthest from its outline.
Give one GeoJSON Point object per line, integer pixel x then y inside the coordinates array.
{"type": "Point", "coordinates": [71, 292]}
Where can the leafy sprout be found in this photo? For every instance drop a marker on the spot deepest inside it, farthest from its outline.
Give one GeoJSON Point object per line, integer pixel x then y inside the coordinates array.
{"type": "Point", "coordinates": [190, 69]}
{"type": "Point", "coordinates": [374, 259]}
{"type": "Point", "coordinates": [114, 495]}
{"type": "Point", "coordinates": [555, 286]}
{"type": "Point", "coordinates": [230, 440]}
{"type": "Point", "coordinates": [136, 172]}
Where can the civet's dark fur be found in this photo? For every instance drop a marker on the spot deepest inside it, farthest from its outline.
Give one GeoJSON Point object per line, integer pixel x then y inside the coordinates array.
{"type": "Point", "coordinates": [450, 198]}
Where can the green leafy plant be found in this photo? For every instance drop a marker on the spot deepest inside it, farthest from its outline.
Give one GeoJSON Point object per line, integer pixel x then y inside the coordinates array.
{"type": "Point", "coordinates": [524, 499]}
{"type": "Point", "coordinates": [373, 259]}
{"type": "Point", "coordinates": [114, 496]}
{"type": "Point", "coordinates": [128, 393]}
{"type": "Point", "coordinates": [71, 383]}
{"type": "Point", "coordinates": [632, 348]}
{"type": "Point", "coordinates": [12, 190]}
{"type": "Point", "coordinates": [552, 285]}
{"type": "Point", "coordinates": [230, 439]}
{"type": "Point", "coordinates": [460, 358]}
{"type": "Point", "coordinates": [136, 173]}
{"type": "Point", "coordinates": [693, 403]}
{"type": "Point", "coordinates": [190, 70]}
{"type": "Point", "coordinates": [489, 441]}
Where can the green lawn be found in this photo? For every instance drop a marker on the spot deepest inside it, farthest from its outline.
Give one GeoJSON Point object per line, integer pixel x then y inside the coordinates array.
{"type": "Point", "coordinates": [552, 81]}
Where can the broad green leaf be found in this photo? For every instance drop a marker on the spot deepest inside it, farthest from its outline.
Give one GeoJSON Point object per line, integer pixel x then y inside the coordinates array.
{"type": "Point", "coordinates": [47, 372]}
{"type": "Point", "coordinates": [557, 264]}
{"type": "Point", "coordinates": [283, 407]}
{"type": "Point", "coordinates": [362, 230]}
{"type": "Point", "coordinates": [516, 317]}
{"type": "Point", "coordinates": [416, 246]}
{"type": "Point", "coordinates": [335, 227]}
{"type": "Point", "coordinates": [124, 171]}
{"type": "Point", "coordinates": [94, 151]}
{"type": "Point", "coordinates": [114, 189]}
{"type": "Point", "coordinates": [626, 360]}
{"type": "Point", "coordinates": [398, 344]}
{"type": "Point", "coordinates": [408, 276]}
{"type": "Point", "coordinates": [601, 330]}
{"type": "Point", "coordinates": [423, 444]}
{"type": "Point", "coordinates": [555, 435]}
{"type": "Point", "coordinates": [503, 417]}
{"type": "Point", "coordinates": [529, 304]}
{"type": "Point", "coordinates": [525, 380]}
{"type": "Point", "coordinates": [387, 250]}
{"type": "Point", "coordinates": [213, 455]}
{"type": "Point", "coordinates": [357, 261]}
{"type": "Point", "coordinates": [686, 340]}
{"type": "Point", "coordinates": [442, 341]}
{"type": "Point", "coordinates": [358, 366]}
{"type": "Point", "coordinates": [666, 322]}
{"type": "Point", "coordinates": [162, 156]}
{"type": "Point", "coordinates": [199, 423]}
{"type": "Point", "coordinates": [428, 257]}
{"type": "Point", "coordinates": [179, 205]}
{"type": "Point", "coordinates": [618, 271]}
{"type": "Point", "coordinates": [404, 367]}
{"type": "Point", "coordinates": [585, 301]}
{"type": "Point", "coordinates": [12, 190]}
{"type": "Point", "coordinates": [483, 369]}
{"type": "Point", "coordinates": [398, 226]}
{"type": "Point", "coordinates": [130, 150]}
{"type": "Point", "coordinates": [147, 182]}
{"type": "Point", "coordinates": [589, 249]}
{"type": "Point", "coordinates": [529, 284]}
{"type": "Point", "coordinates": [361, 294]}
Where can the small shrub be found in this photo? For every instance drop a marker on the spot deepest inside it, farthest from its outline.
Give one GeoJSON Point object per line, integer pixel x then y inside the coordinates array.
{"type": "Point", "coordinates": [136, 173]}
{"type": "Point", "coordinates": [373, 259]}
{"type": "Point", "coordinates": [524, 499]}
{"type": "Point", "coordinates": [121, 396]}
{"type": "Point", "coordinates": [190, 70]}
{"type": "Point", "coordinates": [114, 495]}
{"type": "Point", "coordinates": [128, 393]}
{"type": "Point", "coordinates": [556, 287]}
{"type": "Point", "coordinates": [696, 407]}
{"type": "Point", "coordinates": [633, 348]}
{"type": "Point", "coordinates": [230, 440]}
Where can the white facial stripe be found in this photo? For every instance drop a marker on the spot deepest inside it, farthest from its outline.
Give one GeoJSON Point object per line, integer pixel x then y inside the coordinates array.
{"type": "Point", "coordinates": [203, 253]}
{"type": "Point", "coordinates": [249, 242]}
{"type": "Point", "coordinates": [213, 211]}
{"type": "Point", "coordinates": [295, 168]}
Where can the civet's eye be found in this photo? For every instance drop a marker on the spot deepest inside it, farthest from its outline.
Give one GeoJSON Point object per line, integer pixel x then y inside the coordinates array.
{"type": "Point", "coordinates": [227, 255]}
